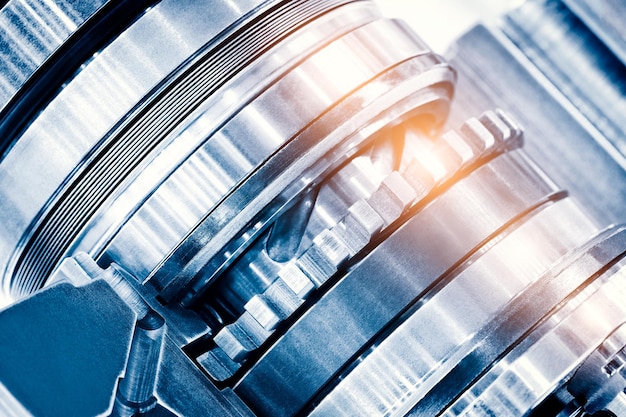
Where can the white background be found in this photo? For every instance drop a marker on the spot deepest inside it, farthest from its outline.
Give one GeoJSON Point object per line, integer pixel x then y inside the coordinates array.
{"type": "Point", "coordinates": [440, 22]}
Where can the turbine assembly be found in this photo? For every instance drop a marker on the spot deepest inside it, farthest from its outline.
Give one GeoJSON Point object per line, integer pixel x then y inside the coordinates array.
{"type": "Point", "coordinates": [277, 208]}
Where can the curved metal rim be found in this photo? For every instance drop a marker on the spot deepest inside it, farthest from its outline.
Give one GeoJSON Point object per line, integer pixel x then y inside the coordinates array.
{"type": "Point", "coordinates": [125, 146]}
{"type": "Point", "coordinates": [413, 287]}
{"type": "Point", "coordinates": [203, 255]}
{"type": "Point", "coordinates": [67, 108]}
{"type": "Point", "coordinates": [91, 36]}
{"type": "Point", "coordinates": [559, 329]}
{"type": "Point", "coordinates": [574, 272]}
{"type": "Point", "coordinates": [96, 235]}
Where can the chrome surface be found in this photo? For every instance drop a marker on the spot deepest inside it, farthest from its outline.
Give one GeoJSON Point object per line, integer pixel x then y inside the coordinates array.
{"type": "Point", "coordinates": [281, 208]}
{"type": "Point", "coordinates": [31, 32]}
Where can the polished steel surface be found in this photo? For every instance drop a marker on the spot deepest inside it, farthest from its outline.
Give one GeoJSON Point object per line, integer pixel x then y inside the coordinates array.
{"type": "Point", "coordinates": [31, 32]}
{"type": "Point", "coordinates": [282, 208]}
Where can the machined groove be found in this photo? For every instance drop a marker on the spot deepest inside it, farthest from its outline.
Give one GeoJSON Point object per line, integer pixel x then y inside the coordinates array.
{"type": "Point", "coordinates": [125, 148]}
{"type": "Point", "coordinates": [573, 272]}
{"type": "Point", "coordinates": [265, 186]}
{"type": "Point", "coordinates": [446, 277]}
{"type": "Point", "coordinates": [491, 393]}
{"type": "Point", "coordinates": [481, 140]}
{"type": "Point", "coordinates": [185, 273]}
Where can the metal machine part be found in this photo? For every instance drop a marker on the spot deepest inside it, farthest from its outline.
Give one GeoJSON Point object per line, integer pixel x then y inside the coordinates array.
{"type": "Point", "coordinates": [249, 208]}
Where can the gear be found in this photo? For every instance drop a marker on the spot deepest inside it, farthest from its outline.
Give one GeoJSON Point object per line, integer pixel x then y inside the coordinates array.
{"type": "Point", "coordinates": [334, 247]}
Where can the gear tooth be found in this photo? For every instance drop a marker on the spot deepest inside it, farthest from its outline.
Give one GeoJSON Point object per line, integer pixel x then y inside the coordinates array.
{"type": "Point", "coordinates": [253, 330]}
{"type": "Point", "coordinates": [460, 147]}
{"type": "Point", "coordinates": [516, 137]}
{"type": "Point", "coordinates": [240, 338]}
{"type": "Point", "coordinates": [284, 300]}
{"type": "Point", "coordinates": [395, 194]}
{"type": "Point", "coordinates": [478, 136]}
{"type": "Point", "coordinates": [364, 177]}
{"type": "Point", "coordinates": [296, 280]}
{"type": "Point", "coordinates": [495, 125]}
{"type": "Point", "coordinates": [218, 364]}
{"type": "Point", "coordinates": [392, 198]}
{"type": "Point", "coordinates": [353, 238]}
{"type": "Point", "coordinates": [332, 247]}
{"type": "Point", "coordinates": [262, 312]}
{"type": "Point", "coordinates": [315, 265]}
{"type": "Point", "coordinates": [616, 363]}
{"type": "Point", "coordinates": [324, 257]}
{"type": "Point", "coordinates": [234, 342]}
{"type": "Point", "coordinates": [420, 179]}
{"type": "Point", "coordinates": [362, 215]}
{"type": "Point", "coordinates": [356, 229]}
{"type": "Point", "coordinates": [449, 157]}
{"type": "Point", "coordinates": [507, 131]}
